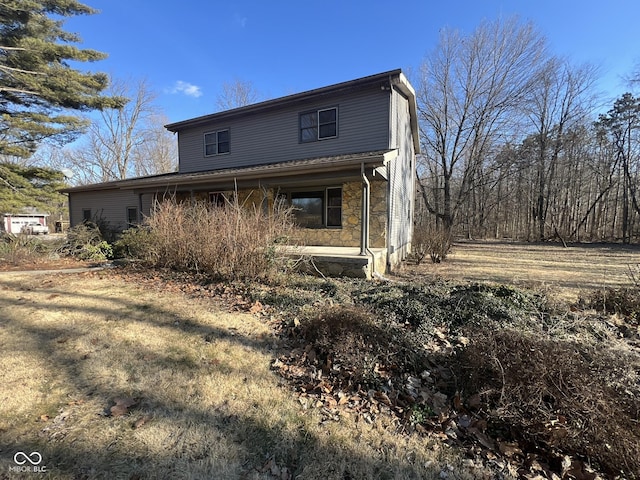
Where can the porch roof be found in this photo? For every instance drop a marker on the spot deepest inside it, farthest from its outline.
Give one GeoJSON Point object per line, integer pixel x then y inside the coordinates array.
{"type": "Point", "coordinates": [348, 164]}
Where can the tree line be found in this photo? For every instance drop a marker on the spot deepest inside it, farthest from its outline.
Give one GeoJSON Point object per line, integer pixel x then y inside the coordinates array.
{"type": "Point", "coordinates": [512, 145]}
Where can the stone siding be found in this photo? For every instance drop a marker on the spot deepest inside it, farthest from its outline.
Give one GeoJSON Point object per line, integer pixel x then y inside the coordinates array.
{"type": "Point", "coordinates": [348, 235]}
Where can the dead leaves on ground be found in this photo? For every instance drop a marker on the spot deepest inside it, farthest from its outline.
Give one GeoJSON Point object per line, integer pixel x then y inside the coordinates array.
{"type": "Point", "coordinates": [407, 403]}
{"type": "Point", "coordinates": [416, 404]}
{"type": "Point", "coordinates": [233, 296]}
{"type": "Point", "coordinates": [276, 471]}
{"type": "Point", "coordinates": [122, 406]}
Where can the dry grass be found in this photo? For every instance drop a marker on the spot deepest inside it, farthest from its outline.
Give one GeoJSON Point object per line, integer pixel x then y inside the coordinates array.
{"type": "Point", "coordinates": [208, 404]}
{"type": "Point", "coordinates": [237, 241]}
{"type": "Point", "coordinates": [564, 272]}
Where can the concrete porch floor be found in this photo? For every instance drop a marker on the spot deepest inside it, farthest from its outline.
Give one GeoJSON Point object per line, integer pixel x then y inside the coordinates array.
{"type": "Point", "coordinates": [341, 261]}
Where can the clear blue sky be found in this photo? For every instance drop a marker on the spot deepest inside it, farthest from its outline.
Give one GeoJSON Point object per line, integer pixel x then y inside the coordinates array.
{"type": "Point", "coordinates": [187, 49]}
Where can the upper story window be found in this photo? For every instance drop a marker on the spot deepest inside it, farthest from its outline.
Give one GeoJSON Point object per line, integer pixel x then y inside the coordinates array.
{"type": "Point", "coordinates": [319, 125]}
{"type": "Point", "coordinates": [216, 143]}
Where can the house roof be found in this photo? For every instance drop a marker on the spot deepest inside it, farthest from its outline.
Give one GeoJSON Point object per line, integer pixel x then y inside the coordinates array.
{"type": "Point", "coordinates": [335, 163]}
{"type": "Point", "coordinates": [391, 78]}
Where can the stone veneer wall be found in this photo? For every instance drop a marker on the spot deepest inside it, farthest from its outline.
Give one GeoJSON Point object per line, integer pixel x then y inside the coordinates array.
{"type": "Point", "coordinates": [346, 236]}
{"type": "Point", "coordinates": [349, 234]}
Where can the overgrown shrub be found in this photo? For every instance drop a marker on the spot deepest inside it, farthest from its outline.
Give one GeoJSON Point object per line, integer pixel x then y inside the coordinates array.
{"type": "Point", "coordinates": [363, 348]}
{"type": "Point", "coordinates": [621, 301]}
{"type": "Point", "coordinates": [549, 380]}
{"type": "Point", "coordinates": [21, 248]}
{"type": "Point", "coordinates": [436, 243]}
{"type": "Point", "coordinates": [85, 242]}
{"type": "Point", "coordinates": [560, 395]}
{"type": "Point", "coordinates": [235, 241]}
{"type": "Point", "coordinates": [425, 306]}
{"type": "Point", "coordinates": [139, 242]}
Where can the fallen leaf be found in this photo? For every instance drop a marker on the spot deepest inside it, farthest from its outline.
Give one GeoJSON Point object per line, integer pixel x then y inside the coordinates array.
{"type": "Point", "coordinates": [484, 440]}
{"type": "Point", "coordinates": [118, 410]}
{"type": "Point", "coordinates": [257, 307]}
{"type": "Point", "coordinates": [141, 421]}
{"type": "Point", "coordinates": [122, 406]}
{"type": "Point", "coordinates": [509, 449]}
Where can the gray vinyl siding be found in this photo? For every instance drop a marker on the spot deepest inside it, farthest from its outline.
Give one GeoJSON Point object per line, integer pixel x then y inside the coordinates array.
{"type": "Point", "coordinates": [401, 182]}
{"type": "Point", "coordinates": [273, 136]}
{"type": "Point", "coordinates": [109, 205]}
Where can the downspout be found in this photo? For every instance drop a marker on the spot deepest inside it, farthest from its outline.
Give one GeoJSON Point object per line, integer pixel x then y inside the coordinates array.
{"type": "Point", "coordinates": [364, 227]}
{"type": "Point", "coordinates": [364, 238]}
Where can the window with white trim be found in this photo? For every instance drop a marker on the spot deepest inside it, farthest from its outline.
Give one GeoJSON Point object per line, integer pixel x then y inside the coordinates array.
{"type": "Point", "coordinates": [217, 143]}
{"type": "Point", "coordinates": [319, 125]}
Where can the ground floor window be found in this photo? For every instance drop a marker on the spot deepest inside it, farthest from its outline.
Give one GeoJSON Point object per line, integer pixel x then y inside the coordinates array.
{"type": "Point", "coordinates": [132, 216]}
{"type": "Point", "coordinates": [317, 208]}
{"type": "Point", "coordinates": [86, 214]}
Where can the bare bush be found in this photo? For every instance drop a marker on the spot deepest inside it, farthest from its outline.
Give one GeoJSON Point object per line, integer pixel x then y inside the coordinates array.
{"type": "Point", "coordinates": [351, 337]}
{"type": "Point", "coordinates": [565, 396]}
{"type": "Point", "coordinates": [430, 241]}
{"type": "Point", "coordinates": [20, 248]}
{"type": "Point", "coordinates": [236, 241]}
{"type": "Point", "coordinates": [633, 273]}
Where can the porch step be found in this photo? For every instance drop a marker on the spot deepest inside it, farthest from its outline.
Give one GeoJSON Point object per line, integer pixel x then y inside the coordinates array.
{"type": "Point", "coordinates": [339, 261]}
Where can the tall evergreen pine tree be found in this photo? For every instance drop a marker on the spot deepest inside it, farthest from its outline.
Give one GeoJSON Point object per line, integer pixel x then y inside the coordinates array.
{"type": "Point", "coordinates": [40, 94]}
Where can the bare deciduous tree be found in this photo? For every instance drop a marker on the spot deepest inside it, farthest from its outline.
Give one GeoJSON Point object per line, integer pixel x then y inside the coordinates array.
{"type": "Point", "coordinates": [560, 98]}
{"type": "Point", "coordinates": [237, 94]}
{"type": "Point", "coordinates": [125, 142]}
{"type": "Point", "coordinates": [158, 151]}
{"type": "Point", "coordinates": [469, 90]}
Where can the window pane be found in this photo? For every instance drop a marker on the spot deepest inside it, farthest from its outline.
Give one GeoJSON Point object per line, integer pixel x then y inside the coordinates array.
{"type": "Point", "coordinates": [308, 135]}
{"type": "Point", "coordinates": [132, 215]}
{"type": "Point", "coordinates": [223, 147]}
{"type": "Point", "coordinates": [327, 131]}
{"type": "Point", "coordinates": [334, 217]}
{"type": "Point", "coordinates": [223, 136]}
{"type": "Point", "coordinates": [327, 116]}
{"type": "Point", "coordinates": [210, 149]}
{"type": "Point", "coordinates": [308, 208]}
{"type": "Point", "coordinates": [334, 197]}
{"type": "Point", "coordinates": [308, 120]}
{"type": "Point", "coordinates": [209, 138]}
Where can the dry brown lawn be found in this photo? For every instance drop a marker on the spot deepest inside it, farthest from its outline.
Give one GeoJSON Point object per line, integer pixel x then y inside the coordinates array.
{"type": "Point", "coordinates": [198, 396]}
{"type": "Point", "coordinates": [564, 272]}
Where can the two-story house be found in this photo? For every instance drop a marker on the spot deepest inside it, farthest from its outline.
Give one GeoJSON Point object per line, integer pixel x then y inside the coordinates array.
{"type": "Point", "coordinates": [343, 156]}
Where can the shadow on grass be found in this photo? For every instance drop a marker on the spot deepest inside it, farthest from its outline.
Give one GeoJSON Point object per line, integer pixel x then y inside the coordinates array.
{"type": "Point", "coordinates": [252, 440]}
